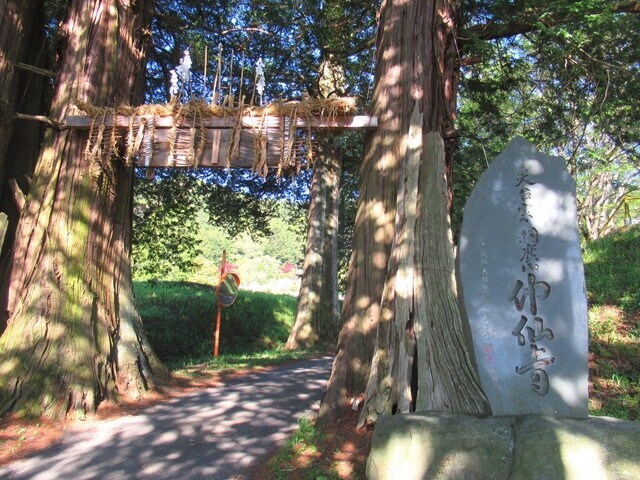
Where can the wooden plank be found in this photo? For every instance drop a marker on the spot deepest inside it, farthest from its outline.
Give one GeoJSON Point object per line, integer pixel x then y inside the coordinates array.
{"type": "Point", "coordinates": [215, 147]}
{"type": "Point", "coordinates": [214, 154]}
{"type": "Point", "coordinates": [346, 122]}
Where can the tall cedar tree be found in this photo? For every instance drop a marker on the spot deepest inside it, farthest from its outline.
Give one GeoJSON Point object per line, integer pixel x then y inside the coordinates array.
{"type": "Point", "coordinates": [74, 336]}
{"type": "Point", "coordinates": [400, 307]}
{"type": "Point", "coordinates": [318, 312]}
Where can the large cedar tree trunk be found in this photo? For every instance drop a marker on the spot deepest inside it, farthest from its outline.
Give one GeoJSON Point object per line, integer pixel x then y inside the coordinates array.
{"type": "Point", "coordinates": [401, 306]}
{"type": "Point", "coordinates": [21, 40]}
{"type": "Point", "coordinates": [74, 336]}
{"type": "Point", "coordinates": [318, 315]}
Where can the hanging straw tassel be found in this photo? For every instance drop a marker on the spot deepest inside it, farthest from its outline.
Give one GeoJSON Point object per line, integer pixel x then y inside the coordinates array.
{"type": "Point", "coordinates": [130, 141]}
{"type": "Point", "coordinates": [173, 132]}
{"type": "Point", "coordinates": [233, 149]}
{"type": "Point", "coordinates": [191, 151]}
{"type": "Point", "coordinates": [202, 137]}
{"type": "Point", "coordinates": [291, 137]}
{"type": "Point", "coordinates": [93, 150]}
{"type": "Point", "coordinates": [260, 166]}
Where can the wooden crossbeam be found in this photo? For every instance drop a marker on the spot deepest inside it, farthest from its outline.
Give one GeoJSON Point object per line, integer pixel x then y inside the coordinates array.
{"type": "Point", "coordinates": [217, 135]}
{"type": "Point", "coordinates": [346, 122]}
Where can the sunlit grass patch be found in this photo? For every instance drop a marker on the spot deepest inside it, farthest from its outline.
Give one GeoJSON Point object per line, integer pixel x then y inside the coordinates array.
{"type": "Point", "coordinates": [198, 366]}
{"type": "Point", "coordinates": [613, 275]}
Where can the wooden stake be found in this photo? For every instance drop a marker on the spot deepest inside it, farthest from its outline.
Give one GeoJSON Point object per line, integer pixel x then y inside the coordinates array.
{"type": "Point", "coordinates": [240, 100]}
{"type": "Point", "coordinates": [204, 82]}
{"type": "Point", "coordinates": [216, 81]}
{"type": "Point", "coordinates": [216, 336]}
{"type": "Point", "coordinates": [231, 81]}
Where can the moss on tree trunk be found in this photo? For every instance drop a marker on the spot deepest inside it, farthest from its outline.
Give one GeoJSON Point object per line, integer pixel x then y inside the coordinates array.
{"type": "Point", "coordinates": [74, 336]}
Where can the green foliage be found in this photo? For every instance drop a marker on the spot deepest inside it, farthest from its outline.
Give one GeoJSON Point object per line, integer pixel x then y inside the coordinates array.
{"type": "Point", "coordinates": [237, 211]}
{"type": "Point", "coordinates": [306, 36]}
{"type": "Point", "coordinates": [284, 243]}
{"type": "Point", "coordinates": [184, 220]}
{"type": "Point", "coordinates": [164, 222]}
{"type": "Point", "coordinates": [612, 268]}
{"type": "Point", "coordinates": [179, 319]}
{"type": "Point", "coordinates": [565, 76]}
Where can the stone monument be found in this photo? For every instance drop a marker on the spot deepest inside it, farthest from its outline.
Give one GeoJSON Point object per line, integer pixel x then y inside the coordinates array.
{"type": "Point", "coordinates": [522, 282]}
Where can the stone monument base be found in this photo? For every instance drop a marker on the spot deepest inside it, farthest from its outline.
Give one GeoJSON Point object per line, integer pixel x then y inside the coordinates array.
{"type": "Point", "coordinates": [527, 447]}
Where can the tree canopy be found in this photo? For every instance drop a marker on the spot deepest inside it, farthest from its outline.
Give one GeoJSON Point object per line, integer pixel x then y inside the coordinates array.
{"type": "Point", "coordinates": [563, 74]}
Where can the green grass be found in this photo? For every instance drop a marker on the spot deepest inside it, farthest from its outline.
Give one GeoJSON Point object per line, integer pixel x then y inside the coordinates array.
{"type": "Point", "coordinates": [179, 318]}
{"type": "Point", "coordinates": [612, 269]}
{"type": "Point", "coordinates": [298, 453]}
{"type": "Point", "coordinates": [306, 437]}
{"type": "Point", "coordinates": [229, 362]}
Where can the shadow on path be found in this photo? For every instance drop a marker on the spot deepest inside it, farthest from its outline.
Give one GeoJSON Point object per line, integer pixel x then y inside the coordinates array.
{"type": "Point", "coordinates": [216, 433]}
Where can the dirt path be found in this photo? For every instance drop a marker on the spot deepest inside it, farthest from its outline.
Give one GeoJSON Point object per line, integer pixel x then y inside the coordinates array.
{"type": "Point", "coordinates": [215, 433]}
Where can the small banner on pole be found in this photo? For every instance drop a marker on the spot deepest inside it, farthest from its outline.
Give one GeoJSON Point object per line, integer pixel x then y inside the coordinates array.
{"type": "Point", "coordinates": [226, 293]}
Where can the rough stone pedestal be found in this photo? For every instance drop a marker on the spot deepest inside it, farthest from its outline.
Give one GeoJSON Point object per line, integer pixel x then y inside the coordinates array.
{"type": "Point", "coordinates": [529, 447]}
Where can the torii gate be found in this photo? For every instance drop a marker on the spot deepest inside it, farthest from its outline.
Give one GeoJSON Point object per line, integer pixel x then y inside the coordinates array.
{"type": "Point", "coordinates": [257, 138]}
{"type": "Point", "coordinates": [195, 137]}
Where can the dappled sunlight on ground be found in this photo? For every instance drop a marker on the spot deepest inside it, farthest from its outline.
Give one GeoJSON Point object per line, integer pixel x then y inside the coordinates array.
{"type": "Point", "coordinates": [340, 451]}
{"type": "Point", "coordinates": [19, 438]}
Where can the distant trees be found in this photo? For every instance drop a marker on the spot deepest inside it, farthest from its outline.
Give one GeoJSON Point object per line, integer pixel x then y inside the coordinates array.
{"type": "Point", "coordinates": [165, 222]}
{"type": "Point", "coordinates": [566, 77]}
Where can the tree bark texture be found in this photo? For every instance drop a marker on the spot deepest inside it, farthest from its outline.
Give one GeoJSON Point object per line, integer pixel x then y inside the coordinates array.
{"type": "Point", "coordinates": [74, 336]}
{"type": "Point", "coordinates": [399, 307]}
{"type": "Point", "coordinates": [318, 314]}
{"type": "Point", "coordinates": [21, 40]}
{"type": "Point", "coordinates": [19, 19]}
